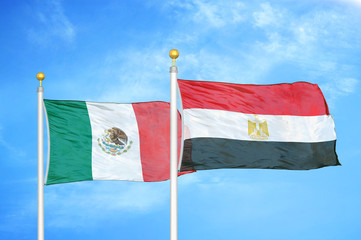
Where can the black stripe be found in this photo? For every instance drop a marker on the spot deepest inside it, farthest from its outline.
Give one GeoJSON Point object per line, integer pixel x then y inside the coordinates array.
{"type": "Point", "coordinates": [214, 153]}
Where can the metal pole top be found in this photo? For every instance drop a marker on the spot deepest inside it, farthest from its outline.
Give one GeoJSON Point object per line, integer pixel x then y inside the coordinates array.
{"type": "Point", "coordinates": [40, 76]}
{"type": "Point", "coordinates": [173, 54]}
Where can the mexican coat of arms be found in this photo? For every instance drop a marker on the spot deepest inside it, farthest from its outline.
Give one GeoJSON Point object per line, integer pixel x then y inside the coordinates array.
{"type": "Point", "coordinates": [114, 141]}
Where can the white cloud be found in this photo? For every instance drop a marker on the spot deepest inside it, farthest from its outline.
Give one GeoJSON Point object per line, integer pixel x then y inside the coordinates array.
{"type": "Point", "coordinates": [52, 24]}
{"type": "Point", "coordinates": [14, 151]}
{"type": "Point", "coordinates": [344, 86]}
{"type": "Point", "coordinates": [348, 85]}
{"type": "Point", "coordinates": [218, 15]}
{"type": "Point", "coordinates": [213, 190]}
{"type": "Point", "coordinates": [304, 34]}
{"type": "Point", "coordinates": [82, 204]}
{"type": "Point", "coordinates": [207, 65]}
{"type": "Point", "coordinates": [338, 87]}
{"type": "Point", "coordinates": [122, 75]}
{"type": "Point", "coordinates": [268, 16]}
{"type": "Point", "coordinates": [353, 2]}
{"type": "Point", "coordinates": [211, 13]}
{"type": "Point", "coordinates": [85, 204]}
{"type": "Point", "coordinates": [17, 220]}
{"type": "Point", "coordinates": [287, 38]}
{"type": "Point", "coordinates": [189, 179]}
{"type": "Point", "coordinates": [132, 76]}
{"type": "Point", "coordinates": [306, 41]}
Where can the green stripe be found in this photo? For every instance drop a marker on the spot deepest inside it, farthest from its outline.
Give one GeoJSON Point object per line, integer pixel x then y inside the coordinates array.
{"type": "Point", "coordinates": [70, 142]}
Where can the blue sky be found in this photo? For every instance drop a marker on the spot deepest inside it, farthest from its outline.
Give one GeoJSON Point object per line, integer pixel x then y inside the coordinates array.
{"type": "Point", "coordinates": [117, 51]}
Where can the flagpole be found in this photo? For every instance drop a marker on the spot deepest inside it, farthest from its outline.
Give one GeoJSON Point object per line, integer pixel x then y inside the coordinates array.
{"type": "Point", "coordinates": [40, 76]}
{"type": "Point", "coordinates": [173, 148]}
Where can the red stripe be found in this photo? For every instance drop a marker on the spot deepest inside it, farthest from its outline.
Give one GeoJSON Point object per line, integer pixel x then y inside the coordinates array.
{"type": "Point", "coordinates": [153, 120]}
{"type": "Point", "coordinates": [299, 99]}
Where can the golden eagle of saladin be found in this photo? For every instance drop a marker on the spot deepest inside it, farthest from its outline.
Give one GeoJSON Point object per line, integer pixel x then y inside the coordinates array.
{"type": "Point", "coordinates": [117, 136]}
{"type": "Point", "coordinates": [258, 130]}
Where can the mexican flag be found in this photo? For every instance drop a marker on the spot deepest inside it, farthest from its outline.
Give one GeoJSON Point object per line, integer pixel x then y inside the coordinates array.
{"type": "Point", "coordinates": [108, 141]}
{"type": "Point", "coordinates": [280, 126]}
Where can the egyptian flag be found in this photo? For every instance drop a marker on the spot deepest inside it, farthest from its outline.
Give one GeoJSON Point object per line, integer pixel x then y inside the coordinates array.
{"type": "Point", "coordinates": [280, 126]}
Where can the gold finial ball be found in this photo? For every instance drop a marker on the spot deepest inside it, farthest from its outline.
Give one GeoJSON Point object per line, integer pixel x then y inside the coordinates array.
{"type": "Point", "coordinates": [173, 53]}
{"type": "Point", "coordinates": [40, 76]}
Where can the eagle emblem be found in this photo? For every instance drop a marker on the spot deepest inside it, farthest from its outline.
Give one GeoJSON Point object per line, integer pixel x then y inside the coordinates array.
{"type": "Point", "coordinates": [258, 129]}
{"type": "Point", "coordinates": [114, 141]}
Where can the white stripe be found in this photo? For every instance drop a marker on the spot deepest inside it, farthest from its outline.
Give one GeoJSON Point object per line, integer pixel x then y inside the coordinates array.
{"type": "Point", "coordinates": [281, 128]}
{"type": "Point", "coordinates": [126, 166]}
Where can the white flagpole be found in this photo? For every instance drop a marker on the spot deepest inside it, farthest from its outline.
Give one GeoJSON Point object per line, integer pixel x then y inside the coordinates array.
{"type": "Point", "coordinates": [40, 76]}
{"type": "Point", "coordinates": [173, 148]}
